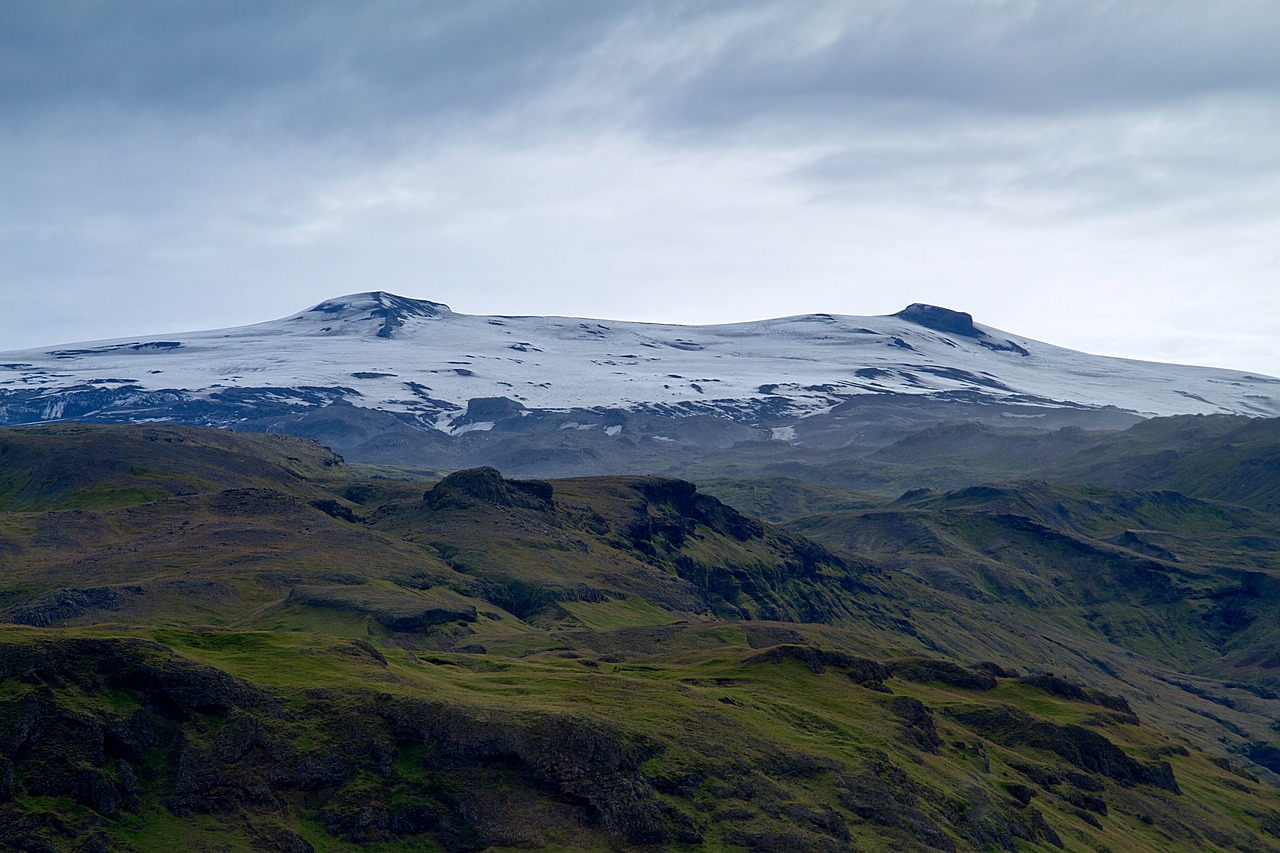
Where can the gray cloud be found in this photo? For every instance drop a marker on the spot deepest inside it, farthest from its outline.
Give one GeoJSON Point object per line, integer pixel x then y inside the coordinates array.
{"type": "Point", "coordinates": [172, 165]}
{"type": "Point", "coordinates": [327, 67]}
{"type": "Point", "coordinates": [944, 60]}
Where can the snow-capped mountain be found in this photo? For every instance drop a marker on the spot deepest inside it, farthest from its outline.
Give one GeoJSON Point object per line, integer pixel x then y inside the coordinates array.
{"type": "Point", "coordinates": [434, 370]}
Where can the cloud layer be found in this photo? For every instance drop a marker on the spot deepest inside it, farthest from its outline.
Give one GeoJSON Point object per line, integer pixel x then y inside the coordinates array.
{"type": "Point", "coordinates": [1097, 174]}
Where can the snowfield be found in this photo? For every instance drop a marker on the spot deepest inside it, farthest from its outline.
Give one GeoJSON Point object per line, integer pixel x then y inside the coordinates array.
{"type": "Point", "coordinates": [382, 351]}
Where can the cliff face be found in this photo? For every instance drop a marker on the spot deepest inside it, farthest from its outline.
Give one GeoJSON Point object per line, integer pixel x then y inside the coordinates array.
{"type": "Point", "coordinates": [128, 723]}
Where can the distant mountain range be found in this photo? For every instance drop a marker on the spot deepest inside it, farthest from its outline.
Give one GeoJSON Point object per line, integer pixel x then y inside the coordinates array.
{"type": "Point", "coordinates": [383, 378]}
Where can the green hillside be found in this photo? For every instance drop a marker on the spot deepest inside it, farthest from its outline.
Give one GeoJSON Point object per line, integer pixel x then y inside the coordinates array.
{"type": "Point", "coordinates": [230, 642]}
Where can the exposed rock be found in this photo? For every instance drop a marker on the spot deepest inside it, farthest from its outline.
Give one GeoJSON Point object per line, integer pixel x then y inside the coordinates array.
{"type": "Point", "coordinates": [1042, 776]}
{"type": "Point", "coordinates": [994, 669]}
{"type": "Point", "coordinates": [940, 319]}
{"type": "Point", "coordinates": [410, 611]}
{"type": "Point", "coordinates": [1055, 686]}
{"type": "Point", "coordinates": [496, 409]}
{"type": "Point", "coordinates": [239, 735]}
{"type": "Point", "coordinates": [783, 842]}
{"type": "Point", "coordinates": [884, 795]}
{"type": "Point", "coordinates": [1030, 825]}
{"type": "Point", "coordinates": [861, 670]}
{"type": "Point", "coordinates": [335, 509]}
{"type": "Point", "coordinates": [273, 838]}
{"type": "Point", "coordinates": [581, 759]}
{"type": "Point", "coordinates": [464, 489]}
{"type": "Point", "coordinates": [917, 723]}
{"type": "Point", "coordinates": [1020, 793]}
{"type": "Point", "coordinates": [1081, 800]}
{"type": "Point", "coordinates": [64, 605]}
{"type": "Point", "coordinates": [1079, 746]}
{"type": "Point", "coordinates": [929, 669]}
{"type": "Point", "coordinates": [255, 502]}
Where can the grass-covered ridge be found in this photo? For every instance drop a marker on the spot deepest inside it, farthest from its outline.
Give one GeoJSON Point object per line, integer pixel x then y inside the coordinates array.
{"type": "Point", "coordinates": [219, 642]}
{"type": "Point", "coordinates": [308, 740]}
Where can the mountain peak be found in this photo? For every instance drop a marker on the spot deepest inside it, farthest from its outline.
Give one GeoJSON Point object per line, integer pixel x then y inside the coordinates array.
{"type": "Point", "coordinates": [388, 309]}
{"type": "Point", "coordinates": [940, 319]}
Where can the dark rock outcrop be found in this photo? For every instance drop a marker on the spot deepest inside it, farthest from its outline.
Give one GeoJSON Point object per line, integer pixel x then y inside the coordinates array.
{"type": "Point", "coordinates": [1056, 686]}
{"type": "Point", "coordinates": [917, 727]}
{"type": "Point", "coordinates": [1080, 747]}
{"type": "Point", "coordinates": [479, 486]}
{"type": "Point", "coordinates": [940, 319]}
{"type": "Point", "coordinates": [862, 670]}
{"type": "Point", "coordinates": [62, 605]}
{"type": "Point", "coordinates": [223, 748]}
{"type": "Point", "coordinates": [929, 669]}
{"type": "Point", "coordinates": [411, 612]}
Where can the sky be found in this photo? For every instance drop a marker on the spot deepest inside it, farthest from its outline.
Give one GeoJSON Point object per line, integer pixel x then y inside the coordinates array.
{"type": "Point", "coordinates": [1102, 175]}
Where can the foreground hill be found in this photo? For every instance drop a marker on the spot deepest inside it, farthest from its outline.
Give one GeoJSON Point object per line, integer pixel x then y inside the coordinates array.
{"type": "Point", "coordinates": [228, 642]}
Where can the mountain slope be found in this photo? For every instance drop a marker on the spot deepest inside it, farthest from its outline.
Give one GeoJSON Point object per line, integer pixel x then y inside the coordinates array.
{"type": "Point", "coordinates": [384, 378]}
{"type": "Point", "coordinates": [285, 654]}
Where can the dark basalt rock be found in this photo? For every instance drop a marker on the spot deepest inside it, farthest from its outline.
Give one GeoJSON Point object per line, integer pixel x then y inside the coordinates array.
{"type": "Point", "coordinates": [1266, 755]}
{"type": "Point", "coordinates": [955, 323]}
{"type": "Point", "coordinates": [1020, 793]}
{"type": "Point", "coordinates": [61, 605]}
{"type": "Point", "coordinates": [169, 685]}
{"type": "Point", "coordinates": [1042, 776]}
{"type": "Point", "coordinates": [928, 669]}
{"type": "Point", "coordinates": [409, 612]}
{"type": "Point", "coordinates": [862, 670]}
{"type": "Point", "coordinates": [235, 739]}
{"type": "Point", "coordinates": [1081, 800]}
{"type": "Point", "coordinates": [917, 727]}
{"type": "Point", "coordinates": [994, 669]}
{"type": "Point", "coordinates": [480, 409]}
{"type": "Point", "coordinates": [885, 795]}
{"type": "Point", "coordinates": [272, 837]}
{"type": "Point", "coordinates": [474, 486]}
{"type": "Point", "coordinates": [1031, 826]}
{"type": "Point", "coordinates": [1055, 686]}
{"type": "Point", "coordinates": [1081, 747]}
{"type": "Point", "coordinates": [692, 507]}
{"type": "Point", "coordinates": [336, 510]}
{"type": "Point", "coordinates": [673, 513]}
{"type": "Point", "coordinates": [940, 319]}
{"type": "Point", "coordinates": [254, 502]}
{"type": "Point", "coordinates": [581, 761]}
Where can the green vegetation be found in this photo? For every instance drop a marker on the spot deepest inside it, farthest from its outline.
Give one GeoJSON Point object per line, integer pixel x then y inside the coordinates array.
{"type": "Point", "coordinates": [222, 642]}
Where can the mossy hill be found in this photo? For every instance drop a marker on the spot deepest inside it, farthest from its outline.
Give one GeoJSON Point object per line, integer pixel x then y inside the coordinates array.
{"type": "Point", "coordinates": [231, 642]}
{"type": "Point", "coordinates": [1220, 457]}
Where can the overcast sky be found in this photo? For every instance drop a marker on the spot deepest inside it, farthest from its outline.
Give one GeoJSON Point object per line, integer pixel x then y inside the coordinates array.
{"type": "Point", "coordinates": [1099, 175]}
